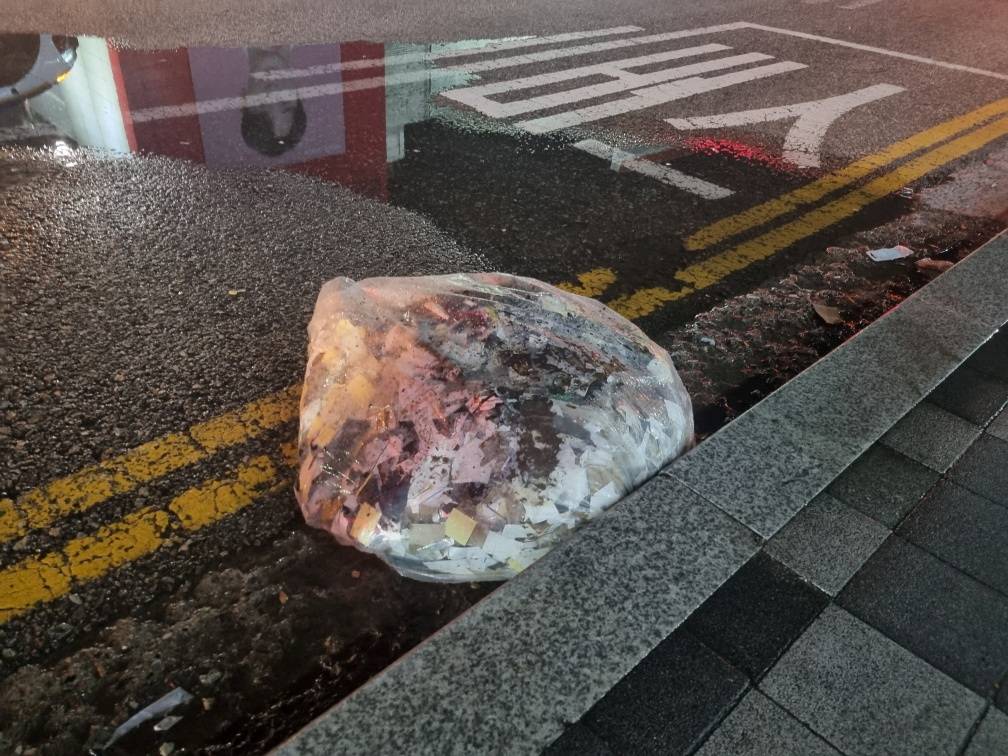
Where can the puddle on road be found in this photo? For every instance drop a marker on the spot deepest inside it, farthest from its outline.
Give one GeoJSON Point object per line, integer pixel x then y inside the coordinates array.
{"type": "Point", "coordinates": [375, 118]}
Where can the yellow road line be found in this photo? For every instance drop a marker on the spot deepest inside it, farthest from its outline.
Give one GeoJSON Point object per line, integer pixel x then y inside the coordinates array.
{"type": "Point", "coordinates": [92, 485]}
{"type": "Point", "coordinates": [46, 578]}
{"type": "Point", "coordinates": [712, 270]}
{"type": "Point", "coordinates": [645, 301]}
{"type": "Point", "coordinates": [816, 190]}
{"type": "Point", "coordinates": [593, 282]}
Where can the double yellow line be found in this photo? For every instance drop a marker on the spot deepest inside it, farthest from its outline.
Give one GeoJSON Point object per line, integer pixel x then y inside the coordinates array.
{"type": "Point", "coordinates": [39, 579]}
{"type": "Point", "coordinates": [707, 272]}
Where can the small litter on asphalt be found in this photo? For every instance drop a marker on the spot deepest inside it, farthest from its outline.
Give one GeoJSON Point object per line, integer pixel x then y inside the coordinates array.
{"type": "Point", "coordinates": [929, 263]}
{"type": "Point", "coordinates": [235, 292]}
{"type": "Point", "coordinates": [906, 192]}
{"type": "Point", "coordinates": [460, 426]}
{"type": "Point", "coordinates": [167, 723]}
{"type": "Point", "coordinates": [708, 341]}
{"type": "Point", "coordinates": [283, 597]}
{"type": "Point", "coordinates": [210, 678]}
{"type": "Point", "coordinates": [163, 706]}
{"type": "Point", "coordinates": [828, 313]}
{"type": "Point", "coordinates": [890, 253]}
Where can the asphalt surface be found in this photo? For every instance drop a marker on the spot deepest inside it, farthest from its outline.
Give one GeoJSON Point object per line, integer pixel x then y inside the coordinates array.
{"type": "Point", "coordinates": [156, 281]}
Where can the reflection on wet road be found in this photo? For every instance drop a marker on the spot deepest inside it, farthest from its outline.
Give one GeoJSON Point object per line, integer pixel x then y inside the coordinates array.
{"type": "Point", "coordinates": [169, 215]}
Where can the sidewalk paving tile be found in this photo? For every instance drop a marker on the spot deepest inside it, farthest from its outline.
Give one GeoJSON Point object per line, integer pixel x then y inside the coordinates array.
{"type": "Point", "coordinates": [884, 484]}
{"type": "Point", "coordinates": [999, 426]}
{"type": "Point", "coordinates": [756, 614]}
{"type": "Point", "coordinates": [944, 616]}
{"type": "Point", "coordinates": [759, 727]}
{"type": "Point", "coordinates": [992, 358]}
{"type": "Point", "coordinates": [931, 435]}
{"type": "Point", "coordinates": [613, 593]}
{"type": "Point", "coordinates": [670, 701]}
{"type": "Point", "coordinates": [963, 529]}
{"type": "Point", "coordinates": [866, 695]}
{"type": "Point", "coordinates": [983, 469]}
{"type": "Point", "coordinates": [971, 395]}
{"type": "Point", "coordinates": [578, 740]}
{"type": "Point", "coordinates": [991, 737]}
{"type": "Point", "coordinates": [827, 542]}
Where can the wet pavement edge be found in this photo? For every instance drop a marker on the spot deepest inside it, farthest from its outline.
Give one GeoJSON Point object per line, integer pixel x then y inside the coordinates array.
{"type": "Point", "coordinates": [503, 677]}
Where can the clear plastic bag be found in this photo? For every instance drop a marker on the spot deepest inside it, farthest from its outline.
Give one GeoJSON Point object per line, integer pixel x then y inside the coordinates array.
{"type": "Point", "coordinates": [460, 426]}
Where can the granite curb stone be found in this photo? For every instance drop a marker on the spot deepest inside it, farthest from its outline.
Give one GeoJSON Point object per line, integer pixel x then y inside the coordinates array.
{"type": "Point", "coordinates": [614, 593]}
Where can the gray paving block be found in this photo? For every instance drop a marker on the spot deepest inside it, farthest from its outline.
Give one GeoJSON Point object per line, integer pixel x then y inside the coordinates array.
{"type": "Point", "coordinates": [756, 614]}
{"type": "Point", "coordinates": [827, 542]}
{"type": "Point", "coordinates": [963, 529]}
{"type": "Point", "coordinates": [971, 395]}
{"type": "Point", "coordinates": [578, 740]}
{"type": "Point", "coordinates": [992, 358]}
{"type": "Point", "coordinates": [759, 727]}
{"type": "Point", "coordinates": [991, 737]}
{"type": "Point", "coordinates": [883, 484]}
{"type": "Point", "coordinates": [984, 469]}
{"type": "Point", "coordinates": [939, 613]}
{"type": "Point", "coordinates": [931, 435]}
{"type": "Point", "coordinates": [548, 644]}
{"type": "Point", "coordinates": [999, 426]}
{"type": "Point", "coordinates": [670, 701]}
{"type": "Point", "coordinates": [867, 695]}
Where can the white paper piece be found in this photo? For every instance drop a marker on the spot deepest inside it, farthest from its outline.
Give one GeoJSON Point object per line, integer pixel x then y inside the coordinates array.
{"type": "Point", "coordinates": [890, 253]}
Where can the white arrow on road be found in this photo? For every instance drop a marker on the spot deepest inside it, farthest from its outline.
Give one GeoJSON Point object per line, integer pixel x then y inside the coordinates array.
{"type": "Point", "coordinates": [804, 139]}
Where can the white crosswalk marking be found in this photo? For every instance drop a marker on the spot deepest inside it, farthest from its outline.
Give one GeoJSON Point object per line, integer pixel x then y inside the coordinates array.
{"type": "Point", "coordinates": [659, 94]}
{"type": "Point", "coordinates": [460, 49]}
{"type": "Point", "coordinates": [804, 139]}
{"type": "Point", "coordinates": [622, 79]}
{"type": "Point", "coordinates": [569, 52]}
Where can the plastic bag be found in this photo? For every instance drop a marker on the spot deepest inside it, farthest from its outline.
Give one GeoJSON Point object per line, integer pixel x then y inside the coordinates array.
{"type": "Point", "coordinates": [459, 426]}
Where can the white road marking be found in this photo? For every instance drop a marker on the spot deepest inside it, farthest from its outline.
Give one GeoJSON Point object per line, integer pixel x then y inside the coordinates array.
{"type": "Point", "coordinates": [323, 90]}
{"type": "Point", "coordinates": [655, 95]}
{"type": "Point", "coordinates": [859, 4]}
{"type": "Point", "coordinates": [476, 47]}
{"type": "Point", "coordinates": [622, 80]}
{"type": "Point", "coordinates": [878, 50]}
{"type": "Point", "coordinates": [287, 95]}
{"type": "Point", "coordinates": [621, 159]}
{"type": "Point", "coordinates": [568, 52]}
{"type": "Point", "coordinates": [804, 139]}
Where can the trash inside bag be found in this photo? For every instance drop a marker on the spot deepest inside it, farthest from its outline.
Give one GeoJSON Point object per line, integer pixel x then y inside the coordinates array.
{"type": "Point", "coordinates": [460, 426]}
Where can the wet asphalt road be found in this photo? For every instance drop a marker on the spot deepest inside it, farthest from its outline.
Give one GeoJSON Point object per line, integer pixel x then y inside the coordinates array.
{"type": "Point", "coordinates": [142, 294]}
